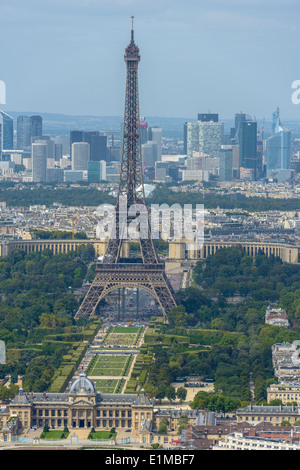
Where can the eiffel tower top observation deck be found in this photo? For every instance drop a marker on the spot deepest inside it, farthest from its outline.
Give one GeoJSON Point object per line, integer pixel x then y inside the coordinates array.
{"type": "Point", "coordinates": [132, 51]}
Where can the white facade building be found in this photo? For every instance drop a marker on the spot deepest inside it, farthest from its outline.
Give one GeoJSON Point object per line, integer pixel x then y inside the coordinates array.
{"type": "Point", "coordinates": [80, 155]}
{"type": "Point", "coordinates": [39, 162]}
{"type": "Point", "coordinates": [205, 138]}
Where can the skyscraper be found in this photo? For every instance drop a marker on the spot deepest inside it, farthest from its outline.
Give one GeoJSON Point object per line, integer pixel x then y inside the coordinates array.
{"type": "Point", "coordinates": [76, 136]}
{"type": "Point", "coordinates": [208, 117]}
{"type": "Point", "coordinates": [8, 131]}
{"type": "Point", "coordinates": [278, 146]}
{"type": "Point", "coordinates": [143, 131]}
{"type": "Point", "coordinates": [155, 135]}
{"type": "Point", "coordinates": [97, 142]}
{"type": "Point", "coordinates": [49, 143]}
{"type": "Point", "coordinates": [247, 138]}
{"type": "Point", "coordinates": [225, 168]}
{"type": "Point", "coordinates": [36, 124]}
{"type": "Point", "coordinates": [23, 132]}
{"type": "Point", "coordinates": [149, 153]}
{"type": "Point", "coordinates": [96, 171]}
{"type": "Point", "coordinates": [204, 137]}
{"type": "Point", "coordinates": [80, 155]}
{"type": "Point", "coordinates": [1, 136]}
{"type": "Point", "coordinates": [98, 147]}
{"type": "Point", "coordinates": [28, 127]}
{"type": "Point", "coordinates": [210, 137]}
{"type": "Point", "coordinates": [39, 162]}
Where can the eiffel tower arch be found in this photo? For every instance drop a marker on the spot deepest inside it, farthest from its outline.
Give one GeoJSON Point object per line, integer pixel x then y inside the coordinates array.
{"type": "Point", "coordinates": [114, 272]}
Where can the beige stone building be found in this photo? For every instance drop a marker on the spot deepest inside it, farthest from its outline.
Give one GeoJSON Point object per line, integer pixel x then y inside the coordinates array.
{"type": "Point", "coordinates": [177, 249]}
{"type": "Point", "coordinates": [287, 393]}
{"type": "Point", "coordinates": [82, 407]}
{"type": "Point", "coordinates": [272, 415]}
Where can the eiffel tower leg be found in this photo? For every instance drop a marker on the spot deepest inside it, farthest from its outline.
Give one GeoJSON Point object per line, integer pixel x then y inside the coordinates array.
{"type": "Point", "coordinates": [90, 302]}
{"type": "Point", "coordinates": [112, 277]}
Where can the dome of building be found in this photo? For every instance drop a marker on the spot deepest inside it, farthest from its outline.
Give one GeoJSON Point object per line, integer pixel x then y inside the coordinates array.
{"type": "Point", "coordinates": [82, 384]}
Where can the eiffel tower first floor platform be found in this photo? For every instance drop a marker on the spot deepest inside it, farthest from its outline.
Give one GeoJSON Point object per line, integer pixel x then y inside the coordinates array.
{"type": "Point", "coordinates": [109, 277]}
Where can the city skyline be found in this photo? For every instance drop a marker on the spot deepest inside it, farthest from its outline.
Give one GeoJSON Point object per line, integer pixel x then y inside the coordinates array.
{"type": "Point", "coordinates": [218, 57]}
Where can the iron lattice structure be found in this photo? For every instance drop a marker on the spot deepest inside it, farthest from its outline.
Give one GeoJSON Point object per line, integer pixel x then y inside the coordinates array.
{"type": "Point", "coordinates": [115, 272]}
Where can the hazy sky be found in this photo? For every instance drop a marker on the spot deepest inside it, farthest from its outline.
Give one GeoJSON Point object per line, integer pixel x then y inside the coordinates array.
{"type": "Point", "coordinates": [226, 56]}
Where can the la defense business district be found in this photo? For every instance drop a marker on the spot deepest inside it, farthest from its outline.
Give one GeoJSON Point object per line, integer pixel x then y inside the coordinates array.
{"type": "Point", "coordinates": [112, 342]}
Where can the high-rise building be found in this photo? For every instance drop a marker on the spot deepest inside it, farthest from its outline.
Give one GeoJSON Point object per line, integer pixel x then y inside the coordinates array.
{"type": "Point", "coordinates": [155, 135]}
{"type": "Point", "coordinates": [225, 168]}
{"type": "Point", "coordinates": [80, 155]}
{"type": "Point", "coordinates": [1, 136]}
{"type": "Point", "coordinates": [75, 136]}
{"type": "Point", "coordinates": [49, 143]}
{"type": "Point", "coordinates": [247, 140]}
{"type": "Point", "coordinates": [210, 137]}
{"type": "Point", "coordinates": [98, 147]}
{"type": "Point", "coordinates": [58, 151]}
{"type": "Point", "coordinates": [8, 131]}
{"type": "Point", "coordinates": [28, 127]}
{"type": "Point", "coordinates": [185, 138]}
{"type": "Point", "coordinates": [192, 138]}
{"type": "Point", "coordinates": [204, 137]}
{"type": "Point", "coordinates": [36, 123]}
{"type": "Point", "coordinates": [143, 131]}
{"type": "Point", "coordinates": [54, 175]}
{"type": "Point", "coordinates": [161, 171]}
{"type": "Point", "coordinates": [97, 142]}
{"type": "Point", "coordinates": [23, 132]}
{"type": "Point", "coordinates": [149, 153]}
{"type": "Point", "coordinates": [96, 171]}
{"type": "Point", "coordinates": [278, 146]}
{"type": "Point", "coordinates": [39, 162]}
{"type": "Point", "coordinates": [73, 176]}
{"type": "Point", "coordinates": [208, 117]}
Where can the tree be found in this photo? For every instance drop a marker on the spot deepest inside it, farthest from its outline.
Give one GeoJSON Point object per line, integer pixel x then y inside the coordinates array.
{"type": "Point", "coordinates": [181, 394]}
{"type": "Point", "coordinates": [177, 316]}
{"type": "Point", "coordinates": [182, 423]}
{"type": "Point", "coordinates": [163, 426]}
{"type": "Point", "coordinates": [171, 393]}
{"type": "Point", "coordinates": [46, 428]}
{"type": "Point", "coordinates": [161, 392]}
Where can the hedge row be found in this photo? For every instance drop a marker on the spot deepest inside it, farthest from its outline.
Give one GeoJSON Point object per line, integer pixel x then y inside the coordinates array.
{"type": "Point", "coordinates": [204, 336]}
{"type": "Point", "coordinates": [154, 338]}
{"type": "Point", "coordinates": [140, 370]}
{"type": "Point", "coordinates": [68, 367]}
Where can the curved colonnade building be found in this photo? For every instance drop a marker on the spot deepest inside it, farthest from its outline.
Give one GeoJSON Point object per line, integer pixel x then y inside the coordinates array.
{"type": "Point", "coordinates": [178, 250]}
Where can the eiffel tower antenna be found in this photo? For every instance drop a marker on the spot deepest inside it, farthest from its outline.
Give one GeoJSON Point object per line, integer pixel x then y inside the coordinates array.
{"type": "Point", "coordinates": [116, 271]}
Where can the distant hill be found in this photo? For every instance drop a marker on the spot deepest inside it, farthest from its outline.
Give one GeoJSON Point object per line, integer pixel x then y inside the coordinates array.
{"type": "Point", "coordinates": [62, 124]}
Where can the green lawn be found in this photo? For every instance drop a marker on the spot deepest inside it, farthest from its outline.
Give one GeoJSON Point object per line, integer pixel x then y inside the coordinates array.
{"type": "Point", "coordinates": [108, 365]}
{"type": "Point", "coordinates": [54, 435]}
{"type": "Point", "coordinates": [124, 329]}
{"type": "Point", "coordinates": [106, 386]}
{"type": "Point", "coordinates": [102, 435]}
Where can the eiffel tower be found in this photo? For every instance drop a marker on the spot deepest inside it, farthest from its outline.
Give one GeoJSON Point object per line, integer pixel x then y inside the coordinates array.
{"type": "Point", "coordinates": [147, 272]}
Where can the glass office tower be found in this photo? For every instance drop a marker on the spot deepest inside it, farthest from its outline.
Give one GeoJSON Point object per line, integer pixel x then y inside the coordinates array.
{"type": "Point", "coordinates": [278, 146]}
{"type": "Point", "coordinates": [8, 131]}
